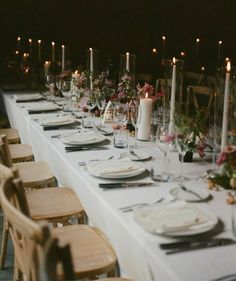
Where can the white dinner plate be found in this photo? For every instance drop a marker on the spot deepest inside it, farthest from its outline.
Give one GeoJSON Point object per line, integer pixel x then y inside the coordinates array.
{"type": "Point", "coordinates": [28, 97]}
{"type": "Point", "coordinates": [42, 107]}
{"type": "Point", "coordinates": [82, 138]}
{"type": "Point", "coordinates": [114, 169]}
{"type": "Point", "coordinates": [191, 196]}
{"type": "Point", "coordinates": [57, 121]}
{"type": "Point", "coordinates": [177, 218]}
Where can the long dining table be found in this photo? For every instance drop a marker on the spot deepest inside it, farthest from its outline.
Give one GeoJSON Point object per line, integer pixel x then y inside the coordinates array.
{"type": "Point", "coordinates": [138, 251]}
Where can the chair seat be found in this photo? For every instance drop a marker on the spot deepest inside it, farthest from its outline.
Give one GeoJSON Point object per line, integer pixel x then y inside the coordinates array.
{"type": "Point", "coordinates": [91, 252]}
{"type": "Point", "coordinates": [12, 135]}
{"type": "Point", "coordinates": [53, 203]}
{"type": "Point", "coordinates": [35, 174]}
{"type": "Point", "coordinates": [20, 152]}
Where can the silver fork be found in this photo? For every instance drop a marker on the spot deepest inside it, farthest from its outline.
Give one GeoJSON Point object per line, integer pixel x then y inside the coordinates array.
{"type": "Point", "coordinates": [130, 208]}
{"type": "Point", "coordinates": [83, 163]}
{"type": "Point", "coordinates": [190, 191]}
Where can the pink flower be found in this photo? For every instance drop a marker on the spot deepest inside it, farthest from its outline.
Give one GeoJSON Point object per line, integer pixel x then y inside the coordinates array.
{"type": "Point", "coordinates": [169, 138]}
{"type": "Point", "coordinates": [222, 158]}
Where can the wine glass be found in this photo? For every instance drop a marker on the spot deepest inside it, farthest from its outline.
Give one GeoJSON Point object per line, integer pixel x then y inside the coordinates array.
{"type": "Point", "coordinates": [49, 83]}
{"type": "Point", "coordinates": [120, 114]}
{"type": "Point", "coordinates": [160, 169]}
{"type": "Point", "coordinates": [88, 120]}
{"type": "Point", "coordinates": [101, 102]}
{"type": "Point", "coordinates": [66, 92]}
{"type": "Point", "coordinates": [134, 112]}
{"type": "Point", "coordinates": [182, 145]}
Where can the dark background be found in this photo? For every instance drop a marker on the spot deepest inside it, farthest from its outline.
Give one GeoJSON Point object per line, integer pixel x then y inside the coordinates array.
{"type": "Point", "coordinates": [116, 26]}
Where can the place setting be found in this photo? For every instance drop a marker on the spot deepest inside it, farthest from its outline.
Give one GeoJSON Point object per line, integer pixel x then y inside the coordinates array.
{"type": "Point", "coordinates": [84, 140]}
{"type": "Point", "coordinates": [57, 122]}
{"type": "Point", "coordinates": [28, 97]}
{"type": "Point", "coordinates": [41, 107]}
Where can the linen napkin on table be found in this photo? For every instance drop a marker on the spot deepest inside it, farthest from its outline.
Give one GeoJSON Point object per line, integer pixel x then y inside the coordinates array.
{"type": "Point", "coordinates": [42, 107]}
{"type": "Point", "coordinates": [82, 138]}
{"type": "Point", "coordinates": [172, 217]}
{"type": "Point", "coordinates": [57, 120]}
{"type": "Point", "coordinates": [123, 165]}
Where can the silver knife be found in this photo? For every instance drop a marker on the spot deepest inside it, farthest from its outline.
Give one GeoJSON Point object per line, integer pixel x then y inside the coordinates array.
{"type": "Point", "coordinates": [124, 184]}
{"type": "Point", "coordinates": [184, 246]}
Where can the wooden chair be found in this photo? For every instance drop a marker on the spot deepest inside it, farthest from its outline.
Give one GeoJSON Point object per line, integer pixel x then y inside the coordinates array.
{"type": "Point", "coordinates": [201, 98]}
{"type": "Point", "coordinates": [58, 205]}
{"type": "Point", "coordinates": [12, 135]}
{"type": "Point", "coordinates": [20, 152]}
{"type": "Point", "coordinates": [92, 254]}
{"type": "Point", "coordinates": [34, 174]}
{"type": "Point", "coordinates": [52, 255]}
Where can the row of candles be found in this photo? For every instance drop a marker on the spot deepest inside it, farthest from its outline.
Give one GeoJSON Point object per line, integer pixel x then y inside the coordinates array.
{"type": "Point", "coordinates": [146, 108]}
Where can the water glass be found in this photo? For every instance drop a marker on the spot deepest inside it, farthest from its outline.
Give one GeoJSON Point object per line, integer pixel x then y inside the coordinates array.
{"type": "Point", "coordinates": [120, 138]}
{"type": "Point", "coordinates": [160, 170]}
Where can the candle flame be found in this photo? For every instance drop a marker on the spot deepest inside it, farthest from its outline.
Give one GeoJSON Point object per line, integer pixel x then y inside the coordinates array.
{"type": "Point", "coordinates": [24, 55]}
{"type": "Point", "coordinates": [226, 59]}
{"type": "Point", "coordinates": [18, 38]}
{"type": "Point", "coordinates": [90, 49]}
{"type": "Point", "coordinates": [47, 62]}
{"type": "Point", "coordinates": [163, 38]}
{"type": "Point", "coordinates": [39, 41]}
{"type": "Point", "coordinates": [17, 52]}
{"type": "Point", "coordinates": [146, 95]}
{"type": "Point", "coordinates": [220, 42]}
{"type": "Point", "coordinates": [182, 54]}
{"type": "Point", "coordinates": [228, 67]}
{"type": "Point", "coordinates": [63, 46]}
{"type": "Point", "coordinates": [127, 53]}
{"type": "Point", "coordinates": [30, 40]}
{"type": "Point", "coordinates": [154, 50]}
{"type": "Point", "coordinates": [53, 43]}
{"type": "Point", "coordinates": [174, 60]}
{"type": "Point", "coordinates": [203, 68]}
{"type": "Point", "coordinates": [197, 40]}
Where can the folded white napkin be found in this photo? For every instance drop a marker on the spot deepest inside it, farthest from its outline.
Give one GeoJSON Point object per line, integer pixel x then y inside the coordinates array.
{"type": "Point", "coordinates": [172, 217]}
{"type": "Point", "coordinates": [26, 97]}
{"type": "Point", "coordinates": [82, 138]}
{"type": "Point", "coordinates": [123, 165]}
{"type": "Point", "coordinates": [57, 120]}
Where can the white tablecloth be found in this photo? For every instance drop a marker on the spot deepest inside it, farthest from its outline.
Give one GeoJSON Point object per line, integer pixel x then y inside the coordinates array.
{"type": "Point", "coordinates": [138, 251]}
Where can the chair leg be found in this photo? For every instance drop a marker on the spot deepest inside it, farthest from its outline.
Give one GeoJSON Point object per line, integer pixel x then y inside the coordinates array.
{"type": "Point", "coordinates": [3, 252]}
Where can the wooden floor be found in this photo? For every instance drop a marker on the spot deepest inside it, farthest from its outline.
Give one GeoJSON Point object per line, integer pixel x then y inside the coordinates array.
{"type": "Point", "coordinates": [7, 273]}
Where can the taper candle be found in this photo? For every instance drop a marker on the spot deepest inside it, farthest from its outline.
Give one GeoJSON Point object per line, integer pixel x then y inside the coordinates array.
{"type": "Point", "coordinates": [53, 51]}
{"type": "Point", "coordinates": [224, 132]}
{"type": "Point", "coordinates": [39, 50]}
{"type": "Point", "coordinates": [127, 65]}
{"type": "Point", "coordinates": [172, 101]}
{"type": "Point", "coordinates": [62, 58]}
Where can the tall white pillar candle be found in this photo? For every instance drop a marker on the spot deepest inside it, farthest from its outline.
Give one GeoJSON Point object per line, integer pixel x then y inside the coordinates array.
{"type": "Point", "coordinates": [127, 66]}
{"type": "Point", "coordinates": [53, 51]}
{"type": "Point", "coordinates": [172, 101]}
{"type": "Point", "coordinates": [39, 50]}
{"type": "Point", "coordinates": [224, 132]}
{"type": "Point", "coordinates": [62, 58]}
{"type": "Point", "coordinates": [144, 119]}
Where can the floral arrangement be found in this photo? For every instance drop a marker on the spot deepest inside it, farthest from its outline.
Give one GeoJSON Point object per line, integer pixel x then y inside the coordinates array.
{"type": "Point", "coordinates": [192, 133]}
{"type": "Point", "coordinates": [226, 176]}
{"type": "Point", "coordinates": [125, 90]}
{"type": "Point", "coordinates": [104, 84]}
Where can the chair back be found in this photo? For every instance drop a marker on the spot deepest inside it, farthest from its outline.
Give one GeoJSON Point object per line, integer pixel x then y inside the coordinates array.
{"type": "Point", "coordinates": [27, 236]}
{"type": "Point", "coordinates": [5, 157]}
{"type": "Point", "coordinates": [53, 256]}
{"type": "Point", "coordinates": [201, 98]}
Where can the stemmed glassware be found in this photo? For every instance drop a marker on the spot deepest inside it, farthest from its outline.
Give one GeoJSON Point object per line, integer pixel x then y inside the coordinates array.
{"type": "Point", "coordinates": [49, 82]}
{"type": "Point", "coordinates": [160, 169]}
{"type": "Point", "coordinates": [134, 112]}
{"type": "Point", "coordinates": [181, 141]}
{"type": "Point", "coordinates": [66, 92]}
{"type": "Point", "coordinates": [88, 120]}
{"type": "Point", "coordinates": [120, 114]}
{"type": "Point", "coordinates": [101, 102]}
